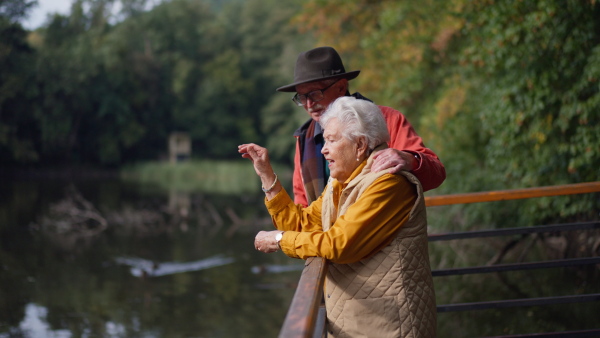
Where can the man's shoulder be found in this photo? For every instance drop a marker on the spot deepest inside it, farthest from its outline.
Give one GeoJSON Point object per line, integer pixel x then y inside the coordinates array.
{"type": "Point", "coordinates": [388, 110]}
{"type": "Point", "coordinates": [391, 114]}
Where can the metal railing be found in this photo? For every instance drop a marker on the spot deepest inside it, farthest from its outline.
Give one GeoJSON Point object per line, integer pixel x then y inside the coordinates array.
{"type": "Point", "coordinates": [513, 194]}
{"type": "Point", "coordinates": [306, 315]}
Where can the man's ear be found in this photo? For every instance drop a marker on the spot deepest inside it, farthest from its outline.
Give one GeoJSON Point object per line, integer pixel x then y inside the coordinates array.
{"type": "Point", "coordinates": [342, 87]}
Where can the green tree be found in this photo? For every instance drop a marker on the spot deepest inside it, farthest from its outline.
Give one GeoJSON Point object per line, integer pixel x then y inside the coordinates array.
{"type": "Point", "coordinates": [505, 92]}
{"type": "Point", "coordinates": [112, 93]}
{"type": "Point", "coordinates": [72, 82]}
{"type": "Point", "coordinates": [15, 10]}
{"type": "Point", "coordinates": [541, 112]}
{"type": "Point", "coordinates": [17, 128]}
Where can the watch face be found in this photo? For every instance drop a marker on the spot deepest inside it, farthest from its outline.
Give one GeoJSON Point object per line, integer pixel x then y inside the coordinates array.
{"type": "Point", "coordinates": [279, 236]}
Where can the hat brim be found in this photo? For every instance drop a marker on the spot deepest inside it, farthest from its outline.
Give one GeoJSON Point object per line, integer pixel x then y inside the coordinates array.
{"type": "Point", "coordinates": [292, 87]}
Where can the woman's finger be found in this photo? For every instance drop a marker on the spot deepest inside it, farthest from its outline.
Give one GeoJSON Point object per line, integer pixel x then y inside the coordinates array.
{"type": "Point", "coordinates": [252, 153]}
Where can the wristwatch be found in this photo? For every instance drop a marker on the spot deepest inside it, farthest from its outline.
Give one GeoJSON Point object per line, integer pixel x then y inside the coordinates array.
{"type": "Point", "coordinates": [278, 238]}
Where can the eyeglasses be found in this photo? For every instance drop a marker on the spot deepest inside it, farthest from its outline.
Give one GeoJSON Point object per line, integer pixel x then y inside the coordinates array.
{"type": "Point", "coordinates": [314, 96]}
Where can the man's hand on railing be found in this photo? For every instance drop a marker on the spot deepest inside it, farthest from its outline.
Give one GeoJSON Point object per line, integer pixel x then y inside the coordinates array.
{"type": "Point", "coordinates": [266, 242]}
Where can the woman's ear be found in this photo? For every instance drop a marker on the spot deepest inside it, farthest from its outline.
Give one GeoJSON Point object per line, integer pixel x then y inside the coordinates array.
{"type": "Point", "coordinates": [362, 147]}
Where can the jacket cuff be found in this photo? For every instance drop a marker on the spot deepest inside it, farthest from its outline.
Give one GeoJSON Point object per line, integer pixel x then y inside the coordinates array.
{"type": "Point", "coordinates": [287, 243]}
{"type": "Point", "coordinates": [418, 156]}
{"type": "Point", "coordinates": [278, 203]}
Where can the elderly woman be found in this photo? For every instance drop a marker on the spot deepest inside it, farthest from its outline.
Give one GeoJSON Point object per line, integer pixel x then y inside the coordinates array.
{"type": "Point", "coordinates": [372, 227]}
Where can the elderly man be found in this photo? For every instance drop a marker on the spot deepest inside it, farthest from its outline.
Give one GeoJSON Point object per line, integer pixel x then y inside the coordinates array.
{"type": "Point", "coordinates": [319, 79]}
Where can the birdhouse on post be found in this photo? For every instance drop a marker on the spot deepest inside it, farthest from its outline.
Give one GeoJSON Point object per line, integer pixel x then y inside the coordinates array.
{"type": "Point", "coordinates": [180, 147]}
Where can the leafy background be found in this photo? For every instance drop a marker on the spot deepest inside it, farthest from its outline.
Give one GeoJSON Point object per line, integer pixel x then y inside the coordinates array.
{"type": "Point", "coordinates": [505, 92]}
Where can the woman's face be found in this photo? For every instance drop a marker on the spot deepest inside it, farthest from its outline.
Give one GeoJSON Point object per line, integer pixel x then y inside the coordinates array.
{"type": "Point", "coordinates": [340, 152]}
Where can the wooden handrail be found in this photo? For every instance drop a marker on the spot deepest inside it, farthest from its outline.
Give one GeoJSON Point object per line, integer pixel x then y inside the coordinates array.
{"type": "Point", "coordinates": [302, 315]}
{"type": "Point", "coordinates": [513, 194]}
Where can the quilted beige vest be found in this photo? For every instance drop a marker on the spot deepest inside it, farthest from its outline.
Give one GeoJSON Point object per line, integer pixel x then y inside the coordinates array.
{"type": "Point", "coordinates": [391, 293]}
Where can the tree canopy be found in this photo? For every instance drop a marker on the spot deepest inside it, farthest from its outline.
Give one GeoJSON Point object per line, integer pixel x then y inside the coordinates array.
{"type": "Point", "coordinates": [506, 92]}
{"type": "Point", "coordinates": [105, 93]}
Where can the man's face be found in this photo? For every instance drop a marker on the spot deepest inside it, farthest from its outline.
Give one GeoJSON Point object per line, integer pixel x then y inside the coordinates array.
{"type": "Point", "coordinates": [316, 109]}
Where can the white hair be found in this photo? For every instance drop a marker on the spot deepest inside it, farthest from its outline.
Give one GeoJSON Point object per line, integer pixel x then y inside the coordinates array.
{"type": "Point", "coordinates": [358, 118]}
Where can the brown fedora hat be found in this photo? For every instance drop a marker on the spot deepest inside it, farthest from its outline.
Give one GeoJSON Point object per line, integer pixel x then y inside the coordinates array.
{"type": "Point", "coordinates": [318, 64]}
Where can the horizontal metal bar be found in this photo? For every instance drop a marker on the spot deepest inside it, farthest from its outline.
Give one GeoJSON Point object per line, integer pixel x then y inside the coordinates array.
{"type": "Point", "coordinates": [513, 194]}
{"type": "Point", "coordinates": [515, 231]}
{"type": "Point", "coordinates": [516, 266]}
{"type": "Point", "coordinates": [518, 302]}
{"type": "Point", "coordinates": [564, 334]}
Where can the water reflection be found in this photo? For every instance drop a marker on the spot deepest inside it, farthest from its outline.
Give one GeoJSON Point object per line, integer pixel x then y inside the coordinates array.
{"type": "Point", "coordinates": [35, 324]}
{"type": "Point", "coordinates": [62, 273]}
{"type": "Point", "coordinates": [258, 269]}
{"type": "Point", "coordinates": [144, 268]}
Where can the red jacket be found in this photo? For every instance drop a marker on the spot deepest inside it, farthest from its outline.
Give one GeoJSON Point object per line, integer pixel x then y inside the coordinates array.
{"type": "Point", "coordinates": [403, 137]}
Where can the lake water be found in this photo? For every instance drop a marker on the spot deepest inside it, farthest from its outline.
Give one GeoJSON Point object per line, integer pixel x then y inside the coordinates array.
{"type": "Point", "coordinates": [107, 258]}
